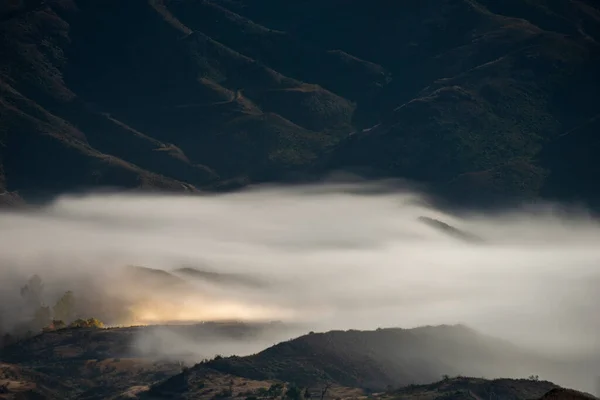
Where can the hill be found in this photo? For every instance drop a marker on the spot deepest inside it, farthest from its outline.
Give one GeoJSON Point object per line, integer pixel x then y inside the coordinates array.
{"type": "Point", "coordinates": [375, 360]}
{"type": "Point", "coordinates": [387, 363]}
{"type": "Point", "coordinates": [199, 384]}
{"type": "Point", "coordinates": [470, 96]}
{"type": "Point", "coordinates": [105, 363]}
{"type": "Point", "coordinates": [477, 388]}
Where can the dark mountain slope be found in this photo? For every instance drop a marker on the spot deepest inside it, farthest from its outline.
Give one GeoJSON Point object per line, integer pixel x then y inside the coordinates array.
{"type": "Point", "coordinates": [340, 72]}
{"type": "Point", "coordinates": [574, 154]}
{"type": "Point", "coordinates": [490, 83]}
{"type": "Point", "coordinates": [42, 152]}
{"type": "Point", "coordinates": [567, 17]}
{"type": "Point", "coordinates": [140, 87]}
{"type": "Point", "coordinates": [44, 147]}
{"type": "Point", "coordinates": [497, 115]}
{"type": "Point", "coordinates": [466, 95]}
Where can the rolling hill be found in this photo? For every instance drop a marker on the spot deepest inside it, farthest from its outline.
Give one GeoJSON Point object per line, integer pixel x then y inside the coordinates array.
{"type": "Point", "coordinates": [473, 97]}
{"type": "Point", "coordinates": [385, 364]}
{"type": "Point", "coordinates": [376, 360]}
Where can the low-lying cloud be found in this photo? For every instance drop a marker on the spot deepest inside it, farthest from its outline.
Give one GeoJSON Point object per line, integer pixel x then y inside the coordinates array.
{"type": "Point", "coordinates": [336, 256]}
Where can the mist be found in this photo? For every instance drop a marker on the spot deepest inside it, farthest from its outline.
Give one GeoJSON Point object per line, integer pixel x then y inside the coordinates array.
{"type": "Point", "coordinates": [335, 256]}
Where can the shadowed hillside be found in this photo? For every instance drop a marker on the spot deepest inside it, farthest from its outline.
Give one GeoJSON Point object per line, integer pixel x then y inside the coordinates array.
{"type": "Point", "coordinates": [375, 360]}
{"type": "Point", "coordinates": [469, 96]}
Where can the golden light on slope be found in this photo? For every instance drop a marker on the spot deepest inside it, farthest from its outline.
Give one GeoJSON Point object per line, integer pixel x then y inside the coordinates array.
{"type": "Point", "coordinates": [155, 297]}
{"type": "Point", "coordinates": [156, 311]}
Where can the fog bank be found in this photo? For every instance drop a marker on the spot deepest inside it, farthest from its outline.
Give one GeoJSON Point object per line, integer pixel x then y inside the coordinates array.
{"type": "Point", "coordinates": [337, 256]}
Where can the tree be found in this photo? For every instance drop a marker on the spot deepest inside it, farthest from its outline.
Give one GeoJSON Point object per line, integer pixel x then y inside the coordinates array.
{"type": "Point", "coordinates": [275, 390]}
{"type": "Point", "coordinates": [307, 394]}
{"type": "Point", "coordinates": [262, 392]}
{"type": "Point", "coordinates": [64, 309]}
{"type": "Point", "coordinates": [33, 290]}
{"type": "Point", "coordinates": [325, 389]}
{"type": "Point", "coordinates": [293, 392]}
{"type": "Point", "coordinates": [6, 340]}
{"type": "Point", "coordinates": [42, 318]}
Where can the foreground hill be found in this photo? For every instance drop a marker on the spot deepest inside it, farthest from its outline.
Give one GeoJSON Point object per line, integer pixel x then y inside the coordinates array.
{"type": "Point", "coordinates": [22, 383]}
{"type": "Point", "coordinates": [102, 363]}
{"type": "Point", "coordinates": [197, 385]}
{"type": "Point", "coordinates": [374, 360]}
{"type": "Point", "coordinates": [470, 96]}
{"type": "Point", "coordinates": [110, 363]}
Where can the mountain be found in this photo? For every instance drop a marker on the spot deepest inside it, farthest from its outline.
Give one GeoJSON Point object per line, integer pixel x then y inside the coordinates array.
{"type": "Point", "coordinates": [387, 363]}
{"type": "Point", "coordinates": [477, 98]}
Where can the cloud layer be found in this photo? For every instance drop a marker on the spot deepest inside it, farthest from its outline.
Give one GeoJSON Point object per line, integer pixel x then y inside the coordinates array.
{"type": "Point", "coordinates": [328, 256]}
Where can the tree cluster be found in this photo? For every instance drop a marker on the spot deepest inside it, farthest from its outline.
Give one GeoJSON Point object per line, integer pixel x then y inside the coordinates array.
{"type": "Point", "coordinates": [44, 318]}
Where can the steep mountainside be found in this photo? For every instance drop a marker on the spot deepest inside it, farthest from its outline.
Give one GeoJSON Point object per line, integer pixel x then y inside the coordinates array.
{"type": "Point", "coordinates": [472, 96]}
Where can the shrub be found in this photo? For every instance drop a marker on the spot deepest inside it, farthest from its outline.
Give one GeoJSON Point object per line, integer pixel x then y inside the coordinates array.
{"type": "Point", "coordinates": [58, 324]}
{"type": "Point", "coordinates": [275, 390]}
{"type": "Point", "coordinates": [54, 326]}
{"type": "Point", "coordinates": [293, 392]}
{"type": "Point", "coordinates": [86, 323]}
{"type": "Point", "coordinates": [4, 388]}
{"type": "Point", "coordinates": [223, 394]}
